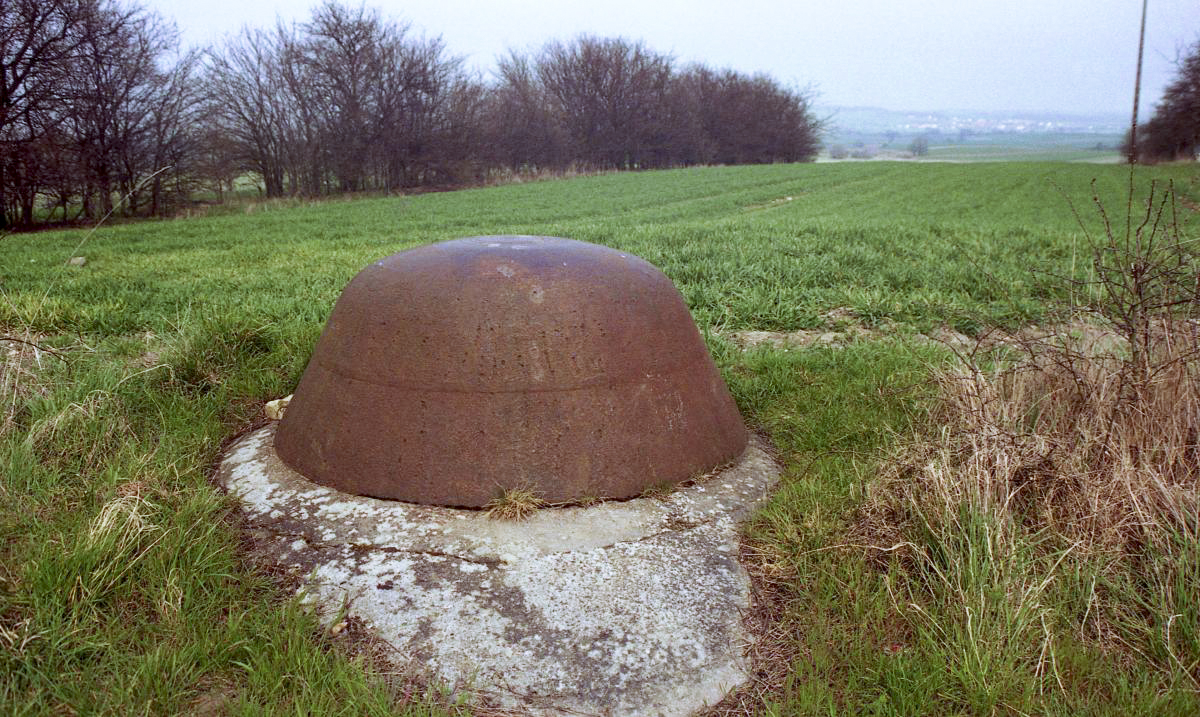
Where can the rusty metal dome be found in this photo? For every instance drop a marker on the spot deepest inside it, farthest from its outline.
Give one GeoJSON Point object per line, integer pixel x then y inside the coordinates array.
{"type": "Point", "coordinates": [452, 372]}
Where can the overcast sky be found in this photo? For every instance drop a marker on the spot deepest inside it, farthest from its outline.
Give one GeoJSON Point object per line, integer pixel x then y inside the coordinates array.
{"type": "Point", "coordinates": [1051, 55]}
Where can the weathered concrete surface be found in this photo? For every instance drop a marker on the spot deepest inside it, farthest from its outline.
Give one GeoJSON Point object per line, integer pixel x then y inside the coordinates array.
{"type": "Point", "coordinates": [624, 608]}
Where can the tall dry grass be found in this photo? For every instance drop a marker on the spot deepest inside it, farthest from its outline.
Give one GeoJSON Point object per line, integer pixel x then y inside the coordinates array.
{"type": "Point", "coordinates": [1057, 500]}
{"type": "Point", "coordinates": [21, 359]}
{"type": "Point", "coordinates": [1074, 438]}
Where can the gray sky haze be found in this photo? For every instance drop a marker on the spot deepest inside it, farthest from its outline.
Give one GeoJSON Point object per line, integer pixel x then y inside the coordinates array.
{"type": "Point", "coordinates": [1064, 56]}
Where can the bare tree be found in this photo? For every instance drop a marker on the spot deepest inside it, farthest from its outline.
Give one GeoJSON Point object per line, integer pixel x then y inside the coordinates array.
{"type": "Point", "coordinates": [610, 94]}
{"type": "Point", "coordinates": [439, 123]}
{"type": "Point", "coordinates": [347, 101]}
{"type": "Point", "coordinates": [343, 50]}
{"type": "Point", "coordinates": [249, 104]}
{"type": "Point", "coordinates": [97, 103]}
{"type": "Point", "coordinates": [619, 105]}
{"type": "Point", "coordinates": [38, 41]}
{"type": "Point", "coordinates": [523, 133]}
{"type": "Point", "coordinates": [304, 129]}
{"type": "Point", "coordinates": [129, 104]}
{"type": "Point", "coordinates": [750, 119]}
{"type": "Point", "coordinates": [91, 104]}
{"type": "Point", "coordinates": [173, 134]}
{"type": "Point", "coordinates": [213, 161]}
{"type": "Point", "coordinates": [919, 147]}
{"type": "Point", "coordinates": [453, 130]}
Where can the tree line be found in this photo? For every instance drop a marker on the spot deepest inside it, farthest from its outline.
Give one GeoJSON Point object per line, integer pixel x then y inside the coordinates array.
{"type": "Point", "coordinates": [1173, 131]}
{"type": "Point", "coordinates": [90, 110]}
{"type": "Point", "coordinates": [102, 111]}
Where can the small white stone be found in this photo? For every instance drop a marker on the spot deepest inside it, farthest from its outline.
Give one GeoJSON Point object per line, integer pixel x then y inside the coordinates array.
{"type": "Point", "coordinates": [274, 409]}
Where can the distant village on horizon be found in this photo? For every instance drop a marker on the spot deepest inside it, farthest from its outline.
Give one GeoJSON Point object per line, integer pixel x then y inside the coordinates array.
{"type": "Point", "coordinates": [841, 119]}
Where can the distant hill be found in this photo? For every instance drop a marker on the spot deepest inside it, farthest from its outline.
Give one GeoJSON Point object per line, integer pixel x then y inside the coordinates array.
{"type": "Point", "coordinates": [969, 135]}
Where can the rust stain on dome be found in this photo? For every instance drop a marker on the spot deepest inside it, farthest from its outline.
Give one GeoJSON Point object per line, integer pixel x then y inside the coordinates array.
{"type": "Point", "coordinates": [449, 373]}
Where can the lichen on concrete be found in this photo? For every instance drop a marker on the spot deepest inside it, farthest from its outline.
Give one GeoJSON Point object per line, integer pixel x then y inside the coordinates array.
{"type": "Point", "coordinates": [622, 608]}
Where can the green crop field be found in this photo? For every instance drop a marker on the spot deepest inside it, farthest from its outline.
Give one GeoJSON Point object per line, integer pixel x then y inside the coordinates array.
{"type": "Point", "coordinates": [1096, 149]}
{"type": "Point", "coordinates": [123, 588]}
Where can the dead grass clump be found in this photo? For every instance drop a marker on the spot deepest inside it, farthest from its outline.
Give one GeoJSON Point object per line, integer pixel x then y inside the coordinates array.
{"type": "Point", "coordinates": [500, 177]}
{"type": "Point", "coordinates": [1103, 452]}
{"type": "Point", "coordinates": [21, 358]}
{"type": "Point", "coordinates": [1061, 464]}
{"type": "Point", "coordinates": [514, 504]}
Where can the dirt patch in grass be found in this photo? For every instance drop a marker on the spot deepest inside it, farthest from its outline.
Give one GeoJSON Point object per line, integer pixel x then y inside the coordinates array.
{"type": "Point", "coordinates": [840, 337]}
{"type": "Point", "coordinates": [1086, 335]}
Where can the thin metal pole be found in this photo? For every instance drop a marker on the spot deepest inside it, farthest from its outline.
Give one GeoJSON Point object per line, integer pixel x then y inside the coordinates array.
{"type": "Point", "coordinates": [1137, 89]}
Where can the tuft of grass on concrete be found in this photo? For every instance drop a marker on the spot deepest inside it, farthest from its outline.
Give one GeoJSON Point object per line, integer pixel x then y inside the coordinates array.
{"type": "Point", "coordinates": [514, 504]}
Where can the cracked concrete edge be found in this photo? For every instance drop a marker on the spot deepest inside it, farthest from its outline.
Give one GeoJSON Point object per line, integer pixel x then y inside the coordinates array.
{"type": "Point", "coordinates": [274, 495]}
{"type": "Point", "coordinates": [529, 599]}
{"type": "Point", "coordinates": [556, 634]}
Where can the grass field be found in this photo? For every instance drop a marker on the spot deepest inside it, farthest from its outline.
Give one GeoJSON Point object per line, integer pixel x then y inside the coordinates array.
{"type": "Point", "coordinates": [122, 586]}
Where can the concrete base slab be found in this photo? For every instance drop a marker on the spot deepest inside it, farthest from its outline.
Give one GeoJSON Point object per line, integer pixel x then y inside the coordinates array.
{"type": "Point", "coordinates": [622, 608]}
